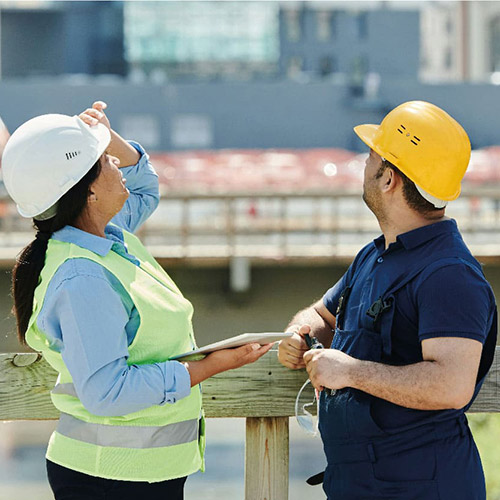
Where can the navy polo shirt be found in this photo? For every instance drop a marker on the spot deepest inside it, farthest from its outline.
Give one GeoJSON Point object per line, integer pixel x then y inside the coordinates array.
{"type": "Point", "coordinates": [453, 301]}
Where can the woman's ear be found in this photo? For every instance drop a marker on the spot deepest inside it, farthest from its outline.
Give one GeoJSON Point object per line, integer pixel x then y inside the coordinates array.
{"type": "Point", "coordinates": [92, 196]}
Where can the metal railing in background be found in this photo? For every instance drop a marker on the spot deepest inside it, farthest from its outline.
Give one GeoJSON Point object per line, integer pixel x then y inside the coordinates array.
{"type": "Point", "coordinates": [272, 226]}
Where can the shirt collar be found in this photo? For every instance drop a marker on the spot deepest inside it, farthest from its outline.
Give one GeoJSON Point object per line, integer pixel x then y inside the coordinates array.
{"type": "Point", "coordinates": [379, 243]}
{"type": "Point", "coordinates": [417, 237]}
{"type": "Point", "coordinates": [97, 244]}
{"type": "Point", "coordinates": [413, 239]}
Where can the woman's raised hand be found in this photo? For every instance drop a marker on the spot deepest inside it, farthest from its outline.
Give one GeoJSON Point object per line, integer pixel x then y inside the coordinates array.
{"type": "Point", "coordinates": [94, 115]}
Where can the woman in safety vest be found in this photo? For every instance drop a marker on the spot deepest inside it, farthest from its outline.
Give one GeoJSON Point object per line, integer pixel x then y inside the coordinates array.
{"type": "Point", "coordinates": [105, 315]}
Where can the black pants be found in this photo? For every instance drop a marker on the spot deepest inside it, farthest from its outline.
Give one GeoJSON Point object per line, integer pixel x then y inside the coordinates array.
{"type": "Point", "coordinates": [68, 484]}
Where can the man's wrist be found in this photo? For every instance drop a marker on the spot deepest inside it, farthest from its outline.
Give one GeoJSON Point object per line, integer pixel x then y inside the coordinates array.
{"type": "Point", "coordinates": [354, 373]}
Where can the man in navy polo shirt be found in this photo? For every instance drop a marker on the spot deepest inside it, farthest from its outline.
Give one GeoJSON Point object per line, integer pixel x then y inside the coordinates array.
{"type": "Point", "coordinates": [413, 323]}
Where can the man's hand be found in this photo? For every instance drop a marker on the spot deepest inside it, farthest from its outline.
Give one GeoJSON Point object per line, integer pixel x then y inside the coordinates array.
{"type": "Point", "coordinates": [94, 115]}
{"type": "Point", "coordinates": [315, 319]}
{"type": "Point", "coordinates": [329, 368]}
{"type": "Point", "coordinates": [291, 350]}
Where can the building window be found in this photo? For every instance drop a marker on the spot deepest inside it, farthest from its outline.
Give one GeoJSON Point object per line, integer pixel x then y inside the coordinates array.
{"type": "Point", "coordinates": [495, 44]}
{"type": "Point", "coordinates": [323, 25]}
{"type": "Point", "coordinates": [294, 66]}
{"type": "Point", "coordinates": [204, 39]}
{"type": "Point", "coordinates": [192, 131]}
{"type": "Point", "coordinates": [327, 66]}
{"type": "Point", "coordinates": [144, 128]}
{"type": "Point", "coordinates": [448, 58]}
{"type": "Point", "coordinates": [362, 25]}
{"type": "Point", "coordinates": [293, 23]}
{"type": "Point", "coordinates": [449, 26]}
{"type": "Point", "coordinates": [334, 21]}
{"type": "Point", "coordinates": [359, 69]}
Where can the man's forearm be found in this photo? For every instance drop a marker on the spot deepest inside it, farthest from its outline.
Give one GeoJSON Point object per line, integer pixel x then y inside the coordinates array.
{"type": "Point", "coordinates": [422, 386]}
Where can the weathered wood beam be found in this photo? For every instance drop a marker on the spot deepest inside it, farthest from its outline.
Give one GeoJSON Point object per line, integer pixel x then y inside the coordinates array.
{"type": "Point", "coordinates": [262, 389]}
{"type": "Point", "coordinates": [266, 458]}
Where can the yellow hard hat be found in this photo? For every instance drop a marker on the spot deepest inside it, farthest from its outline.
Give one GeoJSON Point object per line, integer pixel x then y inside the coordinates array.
{"type": "Point", "coordinates": [426, 144]}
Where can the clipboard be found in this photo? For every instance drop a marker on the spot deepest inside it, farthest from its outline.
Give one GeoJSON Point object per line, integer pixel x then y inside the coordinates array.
{"type": "Point", "coordinates": [239, 340]}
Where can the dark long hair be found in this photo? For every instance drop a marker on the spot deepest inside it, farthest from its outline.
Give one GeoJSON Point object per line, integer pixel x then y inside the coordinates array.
{"type": "Point", "coordinates": [29, 263]}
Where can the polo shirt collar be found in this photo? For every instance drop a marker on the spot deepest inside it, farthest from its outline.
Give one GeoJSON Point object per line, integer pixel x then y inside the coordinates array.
{"type": "Point", "coordinates": [100, 246]}
{"type": "Point", "coordinates": [379, 243]}
{"type": "Point", "coordinates": [417, 237]}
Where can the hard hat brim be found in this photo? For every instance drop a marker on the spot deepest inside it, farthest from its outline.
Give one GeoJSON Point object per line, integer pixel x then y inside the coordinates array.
{"type": "Point", "coordinates": [367, 134]}
{"type": "Point", "coordinates": [103, 136]}
{"type": "Point", "coordinates": [101, 133]}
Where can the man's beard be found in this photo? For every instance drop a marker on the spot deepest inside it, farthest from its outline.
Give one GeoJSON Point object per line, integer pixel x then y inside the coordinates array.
{"type": "Point", "coordinates": [373, 201]}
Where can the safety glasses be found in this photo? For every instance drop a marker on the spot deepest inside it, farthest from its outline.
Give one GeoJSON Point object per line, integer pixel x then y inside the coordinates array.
{"type": "Point", "coordinates": [303, 404]}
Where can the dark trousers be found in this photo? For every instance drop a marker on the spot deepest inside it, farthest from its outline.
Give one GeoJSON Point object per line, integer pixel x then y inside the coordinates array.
{"type": "Point", "coordinates": [438, 461]}
{"type": "Point", "coordinates": [68, 484]}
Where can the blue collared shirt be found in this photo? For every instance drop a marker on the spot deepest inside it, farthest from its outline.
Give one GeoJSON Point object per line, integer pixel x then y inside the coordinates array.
{"type": "Point", "coordinates": [91, 320]}
{"type": "Point", "coordinates": [453, 301]}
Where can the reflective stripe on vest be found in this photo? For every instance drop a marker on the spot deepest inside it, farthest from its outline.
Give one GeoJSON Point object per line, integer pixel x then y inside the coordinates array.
{"type": "Point", "coordinates": [128, 436]}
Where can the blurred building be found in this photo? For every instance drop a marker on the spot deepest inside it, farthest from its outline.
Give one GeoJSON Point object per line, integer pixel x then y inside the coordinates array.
{"type": "Point", "coordinates": [209, 40]}
{"type": "Point", "coordinates": [482, 52]}
{"type": "Point", "coordinates": [460, 41]}
{"type": "Point", "coordinates": [213, 75]}
{"type": "Point", "coordinates": [324, 40]}
{"type": "Point", "coordinates": [180, 41]}
{"type": "Point", "coordinates": [40, 38]}
{"type": "Point", "coordinates": [202, 40]}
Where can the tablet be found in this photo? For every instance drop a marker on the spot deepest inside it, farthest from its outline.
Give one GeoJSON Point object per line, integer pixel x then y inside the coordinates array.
{"type": "Point", "coordinates": [239, 340]}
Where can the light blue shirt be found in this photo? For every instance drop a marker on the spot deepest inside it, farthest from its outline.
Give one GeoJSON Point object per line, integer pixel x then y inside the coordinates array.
{"type": "Point", "coordinates": [91, 320]}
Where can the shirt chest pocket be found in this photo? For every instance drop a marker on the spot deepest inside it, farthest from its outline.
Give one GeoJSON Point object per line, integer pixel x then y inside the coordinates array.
{"type": "Point", "coordinates": [360, 299]}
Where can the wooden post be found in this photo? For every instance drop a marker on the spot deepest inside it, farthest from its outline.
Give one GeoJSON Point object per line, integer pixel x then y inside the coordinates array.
{"type": "Point", "coordinates": [266, 458]}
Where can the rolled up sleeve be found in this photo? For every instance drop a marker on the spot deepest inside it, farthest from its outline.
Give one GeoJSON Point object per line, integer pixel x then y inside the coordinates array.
{"type": "Point", "coordinates": [177, 381]}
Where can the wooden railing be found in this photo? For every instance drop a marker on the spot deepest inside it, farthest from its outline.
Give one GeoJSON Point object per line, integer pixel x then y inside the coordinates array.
{"type": "Point", "coordinates": [264, 393]}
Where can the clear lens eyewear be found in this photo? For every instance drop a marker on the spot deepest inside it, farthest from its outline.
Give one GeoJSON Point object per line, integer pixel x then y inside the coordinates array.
{"type": "Point", "coordinates": [306, 420]}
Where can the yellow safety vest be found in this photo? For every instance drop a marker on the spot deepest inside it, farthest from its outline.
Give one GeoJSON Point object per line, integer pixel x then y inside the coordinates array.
{"type": "Point", "coordinates": [154, 444]}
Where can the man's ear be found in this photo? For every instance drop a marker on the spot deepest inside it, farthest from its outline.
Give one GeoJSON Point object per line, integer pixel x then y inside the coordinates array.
{"type": "Point", "coordinates": [390, 180]}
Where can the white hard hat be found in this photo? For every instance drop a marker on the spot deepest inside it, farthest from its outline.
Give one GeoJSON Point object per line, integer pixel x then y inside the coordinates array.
{"type": "Point", "coordinates": [46, 156]}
